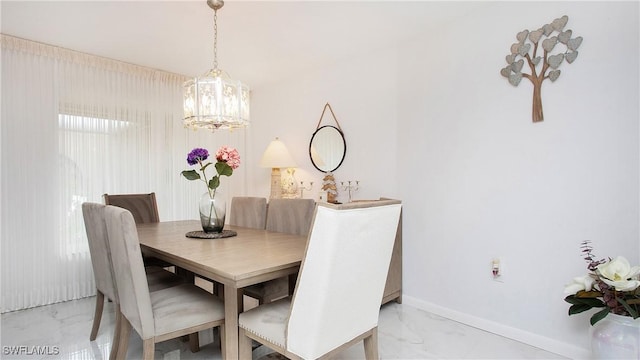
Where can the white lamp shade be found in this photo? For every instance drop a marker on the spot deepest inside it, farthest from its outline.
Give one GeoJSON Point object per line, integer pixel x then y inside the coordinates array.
{"type": "Point", "coordinates": [277, 156]}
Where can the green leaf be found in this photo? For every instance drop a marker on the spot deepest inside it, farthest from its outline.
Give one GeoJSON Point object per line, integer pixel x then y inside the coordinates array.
{"type": "Point", "coordinates": [571, 299]}
{"type": "Point", "coordinates": [633, 312]}
{"type": "Point", "coordinates": [599, 316]}
{"type": "Point", "coordinates": [214, 182]}
{"type": "Point", "coordinates": [578, 308]}
{"type": "Point", "coordinates": [592, 302]}
{"type": "Point", "coordinates": [223, 168]}
{"type": "Point", "coordinates": [191, 175]}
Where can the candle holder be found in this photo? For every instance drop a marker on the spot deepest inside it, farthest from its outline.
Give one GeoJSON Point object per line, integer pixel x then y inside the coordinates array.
{"type": "Point", "coordinates": [350, 187]}
{"type": "Point", "coordinates": [303, 188]}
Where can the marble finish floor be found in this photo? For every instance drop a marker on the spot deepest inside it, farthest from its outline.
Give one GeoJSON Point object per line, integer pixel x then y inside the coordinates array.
{"type": "Point", "coordinates": [62, 331]}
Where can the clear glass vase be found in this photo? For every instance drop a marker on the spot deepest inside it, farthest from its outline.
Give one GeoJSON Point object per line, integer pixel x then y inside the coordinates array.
{"type": "Point", "coordinates": [616, 337]}
{"type": "Point", "coordinates": [212, 212]}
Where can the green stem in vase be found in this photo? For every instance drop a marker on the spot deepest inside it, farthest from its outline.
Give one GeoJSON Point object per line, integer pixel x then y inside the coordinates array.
{"type": "Point", "coordinates": [212, 208]}
{"type": "Point", "coordinates": [212, 193]}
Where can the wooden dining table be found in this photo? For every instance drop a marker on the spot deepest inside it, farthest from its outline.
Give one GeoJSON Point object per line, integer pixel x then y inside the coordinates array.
{"type": "Point", "coordinates": [252, 256]}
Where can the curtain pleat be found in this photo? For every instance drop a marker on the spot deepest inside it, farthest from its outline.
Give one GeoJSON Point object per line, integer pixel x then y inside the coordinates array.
{"type": "Point", "coordinates": [75, 126]}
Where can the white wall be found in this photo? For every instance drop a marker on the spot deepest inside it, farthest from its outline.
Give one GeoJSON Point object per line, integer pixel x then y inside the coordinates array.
{"type": "Point", "coordinates": [431, 121]}
{"type": "Point", "coordinates": [363, 98]}
{"type": "Point", "coordinates": [495, 184]}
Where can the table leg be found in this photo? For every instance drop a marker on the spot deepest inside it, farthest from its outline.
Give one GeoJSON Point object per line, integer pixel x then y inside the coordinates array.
{"type": "Point", "coordinates": [232, 299]}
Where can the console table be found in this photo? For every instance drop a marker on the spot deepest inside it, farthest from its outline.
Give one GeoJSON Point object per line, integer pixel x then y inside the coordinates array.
{"type": "Point", "coordinates": [393, 288]}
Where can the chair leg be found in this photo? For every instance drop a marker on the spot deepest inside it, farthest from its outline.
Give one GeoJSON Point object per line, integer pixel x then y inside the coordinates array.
{"type": "Point", "coordinates": [220, 290]}
{"type": "Point", "coordinates": [371, 345]}
{"type": "Point", "coordinates": [293, 278]}
{"type": "Point", "coordinates": [123, 342]}
{"type": "Point", "coordinates": [194, 342]}
{"type": "Point", "coordinates": [148, 349]}
{"type": "Point", "coordinates": [223, 347]}
{"type": "Point", "coordinates": [97, 316]}
{"type": "Point", "coordinates": [116, 334]}
{"type": "Point", "coordinates": [244, 346]}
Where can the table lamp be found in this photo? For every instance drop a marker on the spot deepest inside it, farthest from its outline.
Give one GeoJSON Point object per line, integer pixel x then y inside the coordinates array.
{"type": "Point", "coordinates": [277, 156]}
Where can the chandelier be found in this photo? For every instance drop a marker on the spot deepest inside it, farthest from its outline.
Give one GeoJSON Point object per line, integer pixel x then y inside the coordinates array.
{"type": "Point", "coordinates": [214, 101]}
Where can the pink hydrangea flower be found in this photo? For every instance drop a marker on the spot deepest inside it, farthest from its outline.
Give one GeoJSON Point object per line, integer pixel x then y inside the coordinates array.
{"type": "Point", "coordinates": [229, 155]}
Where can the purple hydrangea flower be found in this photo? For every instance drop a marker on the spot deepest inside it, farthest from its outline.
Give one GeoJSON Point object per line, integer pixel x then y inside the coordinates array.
{"type": "Point", "coordinates": [197, 154]}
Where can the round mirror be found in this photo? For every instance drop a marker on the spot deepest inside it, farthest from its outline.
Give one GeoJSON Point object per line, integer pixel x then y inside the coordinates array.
{"type": "Point", "coordinates": [327, 148]}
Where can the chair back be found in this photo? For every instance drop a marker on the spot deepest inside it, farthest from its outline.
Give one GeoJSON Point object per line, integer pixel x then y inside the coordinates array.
{"type": "Point", "coordinates": [131, 279]}
{"type": "Point", "coordinates": [96, 228]}
{"type": "Point", "coordinates": [342, 276]}
{"type": "Point", "coordinates": [292, 216]}
{"type": "Point", "coordinates": [143, 207]}
{"type": "Point", "coordinates": [247, 211]}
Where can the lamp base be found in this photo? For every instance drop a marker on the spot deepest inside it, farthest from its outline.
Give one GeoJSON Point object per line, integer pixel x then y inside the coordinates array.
{"type": "Point", "coordinates": [276, 184]}
{"type": "Point", "coordinates": [290, 185]}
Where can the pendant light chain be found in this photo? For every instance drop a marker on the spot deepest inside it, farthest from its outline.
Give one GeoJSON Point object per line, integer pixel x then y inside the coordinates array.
{"type": "Point", "coordinates": [215, 39]}
{"type": "Point", "coordinates": [211, 101]}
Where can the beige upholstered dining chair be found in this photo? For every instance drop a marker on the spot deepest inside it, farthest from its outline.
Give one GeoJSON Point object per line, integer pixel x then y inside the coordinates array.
{"type": "Point", "coordinates": [160, 315]}
{"type": "Point", "coordinates": [245, 211]}
{"type": "Point", "coordinates": [101, 260]}
{"type": "Point", "coordinates": [292, 216]}
{"type": "Point", "coordinates": [144, 209]}
{"type": "Point", "coordinates": [340, 285]}
{"type": "Point", "coordinates": [248, 211]}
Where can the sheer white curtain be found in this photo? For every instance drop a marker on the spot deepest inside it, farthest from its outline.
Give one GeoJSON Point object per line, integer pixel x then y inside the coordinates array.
{"type": "Point", "coordinates": [75, 126]}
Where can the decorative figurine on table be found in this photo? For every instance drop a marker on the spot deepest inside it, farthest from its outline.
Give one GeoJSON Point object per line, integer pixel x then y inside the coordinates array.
{"type": "Point", "coordinates": [329, 185]}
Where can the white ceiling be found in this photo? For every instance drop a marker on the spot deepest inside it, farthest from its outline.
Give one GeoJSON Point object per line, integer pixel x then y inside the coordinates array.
{"type": "Point", "coordinates": [258, 41]}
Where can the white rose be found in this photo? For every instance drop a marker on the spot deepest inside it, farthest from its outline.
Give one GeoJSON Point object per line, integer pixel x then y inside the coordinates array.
{"type": "Point", "coordinates": [619, 274]}
{"type": "Point", "coordinates": [578, 284]}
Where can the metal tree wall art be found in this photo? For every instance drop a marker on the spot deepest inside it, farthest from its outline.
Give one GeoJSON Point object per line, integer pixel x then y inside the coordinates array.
{"type": "Point", "coordinates": [549, 36]}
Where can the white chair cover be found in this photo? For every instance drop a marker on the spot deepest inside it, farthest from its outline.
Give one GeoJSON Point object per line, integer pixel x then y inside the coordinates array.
{"type": "Point", "coordinates": [340, 284]}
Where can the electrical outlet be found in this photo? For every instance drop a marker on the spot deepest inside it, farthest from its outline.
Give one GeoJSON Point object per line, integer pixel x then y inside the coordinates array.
{"type": "Point", "coordinates": [497, 269]}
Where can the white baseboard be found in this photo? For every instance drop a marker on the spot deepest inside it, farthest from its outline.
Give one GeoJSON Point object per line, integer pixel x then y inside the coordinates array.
{"type": "Point", "coordinates": [541, 342]}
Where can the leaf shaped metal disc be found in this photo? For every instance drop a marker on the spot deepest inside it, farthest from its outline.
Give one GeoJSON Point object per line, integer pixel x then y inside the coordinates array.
{"type": "Point", "coordinates": [564, 36]}
{"type": "Point", "coordinates": [517, 66]}
{"type": "Point", "coordinates": [555, 60]}
{"type": "Point", "coordinates": [554, 74]}
{"type": "Point", "coordinates": [550, 43]}
{"type": "Point", "coordinates": [524, 49]}
{"type": "Point", "coordinates": [574, 44]}
{"type": "Point", "coordinates": [514, 79]}
{"type": "Point", "coordinates": [558, 24]}
{"type": "Point", "coordinates": [571, 56]}
{"type": "Point", "coordinates": [522, 35]}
